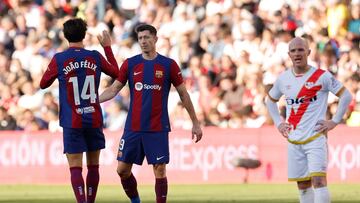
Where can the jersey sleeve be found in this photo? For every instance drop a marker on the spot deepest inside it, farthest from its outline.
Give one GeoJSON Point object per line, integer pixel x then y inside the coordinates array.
{"type": "Point", "coordinates": [123, 73]}
{"type": "Point", "coordinates": [275, 92]}
{"type": "Point", "coordinates": [331, 83]}
{"type": "Point", "coordinates": [50, 74]}
{"type": "Point", "coordinates": [175, 74]}
{"type": "Point", "coordinates": [112, 68]}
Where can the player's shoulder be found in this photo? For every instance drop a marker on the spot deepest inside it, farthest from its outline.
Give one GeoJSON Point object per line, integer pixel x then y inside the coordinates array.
{"type": "Point", "coordinates": [325, 74]}
{"type": "Point", "coordinates": [92, 52]}
{"type": "Point", "coordinates": [285, 75]}
{"type": "Point", "coordinates": [162, 57]}
{"type": "Point", "coordinates": [135, 57]}
{"type": "Point", "coordinates": [56, 55]}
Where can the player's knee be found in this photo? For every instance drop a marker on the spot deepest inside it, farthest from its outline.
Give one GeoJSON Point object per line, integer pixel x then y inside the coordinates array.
{"type": "Point", "coordinates": [160, 170]}
{"type": "Point", "coordinates": [303, 185]}
{"type": "Point", "coordinates": [318, 182]}
{"type": "Point", "coordinates": [123, 173]}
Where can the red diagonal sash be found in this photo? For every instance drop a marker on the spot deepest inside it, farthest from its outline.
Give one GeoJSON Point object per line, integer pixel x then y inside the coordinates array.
{"type": "Point", "coordinates": [305, 94]}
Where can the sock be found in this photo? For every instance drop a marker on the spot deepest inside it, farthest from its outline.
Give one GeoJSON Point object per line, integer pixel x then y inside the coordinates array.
{"type": "Point", "coordinates": [322, 195]}
{"type": "Point", "coordinates": [130, 187]}
{"type": "Point", "coordinates": [307, 195]}
{"type": "Point", "coordinates": [92, 182]}
{"type": "Point", "coordinates": [161, 188]}
{"type": "Point", "coordinates": [77, 183]}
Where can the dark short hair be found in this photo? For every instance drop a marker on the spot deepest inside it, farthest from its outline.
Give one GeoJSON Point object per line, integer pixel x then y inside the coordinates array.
{"type": "Point", "coordinates": [144, 27]}
{"type": "Point", "coordinates": [75, 29]}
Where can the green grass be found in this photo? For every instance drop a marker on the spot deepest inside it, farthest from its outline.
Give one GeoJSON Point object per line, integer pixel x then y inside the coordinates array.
{"type": "Point", "coordinates": [241, 193]}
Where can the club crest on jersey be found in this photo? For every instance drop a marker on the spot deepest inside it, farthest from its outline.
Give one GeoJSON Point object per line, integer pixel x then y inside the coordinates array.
{"type": "Point", "coordinates": [309, 85]}
{"type": "Point", "coordinates": [159, 74]}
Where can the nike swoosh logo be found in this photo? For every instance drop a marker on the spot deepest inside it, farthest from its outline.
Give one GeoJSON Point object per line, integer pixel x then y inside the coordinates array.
{"type": "Point", "coordinates": [158, 158]}
{"type": "Point", "coordinates": [137, 73]}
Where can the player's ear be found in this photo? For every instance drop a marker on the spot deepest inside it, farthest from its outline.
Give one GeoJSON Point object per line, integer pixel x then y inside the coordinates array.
{"type": "Point", "coordinates": [156, 38]}
{"type": "Point", "coordinates": [309, 51]}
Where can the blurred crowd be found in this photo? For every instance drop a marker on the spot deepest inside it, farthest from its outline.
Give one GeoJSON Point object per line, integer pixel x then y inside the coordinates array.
{"type": "Point", "coordinates": [230, 53]}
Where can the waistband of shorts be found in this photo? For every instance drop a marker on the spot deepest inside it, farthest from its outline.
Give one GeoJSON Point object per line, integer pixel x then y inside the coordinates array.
{"type": "Point", "coordinates": [312, 138]}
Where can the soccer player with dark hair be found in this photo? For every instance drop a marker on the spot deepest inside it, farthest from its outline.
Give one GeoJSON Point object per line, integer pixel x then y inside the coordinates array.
{"type": "Point", "coordinates": [150, 76]}
{"type": "Point", "coordinates": [78, 71]}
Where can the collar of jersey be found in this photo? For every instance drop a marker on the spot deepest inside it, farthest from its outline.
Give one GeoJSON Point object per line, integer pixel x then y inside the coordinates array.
{"type": "Point", "coordinates": [300, 75]}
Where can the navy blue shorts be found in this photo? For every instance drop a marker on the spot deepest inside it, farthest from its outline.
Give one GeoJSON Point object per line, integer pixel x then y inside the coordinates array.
{"type": "Point", "coordinates": [77, 140]}
{"type": "Point", "coordinates": [134, 146]}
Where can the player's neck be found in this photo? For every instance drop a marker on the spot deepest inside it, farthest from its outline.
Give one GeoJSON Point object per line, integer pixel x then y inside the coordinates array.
{"type": "Point", "coordinates": [76, 44]}
{"type": "Point", "coordinates": [149, 55]}
{"type": "Point", "coordinates": [300, 71]}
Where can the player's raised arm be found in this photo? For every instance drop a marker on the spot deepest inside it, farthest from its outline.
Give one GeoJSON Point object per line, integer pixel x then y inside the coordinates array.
{"type": "Point", "coordinates": [185, 99]}
{"type": "Point", "coordinates": [109, 66]}
{"type": "Point", "coordinates": [105, 41]}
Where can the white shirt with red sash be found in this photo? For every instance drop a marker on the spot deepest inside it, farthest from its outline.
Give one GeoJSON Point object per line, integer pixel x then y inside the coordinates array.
{"type": "Point", "coordinates": [306, 100]}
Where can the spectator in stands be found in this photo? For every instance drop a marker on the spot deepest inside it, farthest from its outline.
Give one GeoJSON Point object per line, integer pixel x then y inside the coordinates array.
{"type": "Point", "coordinates": [7, 122]}
{"type": "Point", "coordinates": [354, 23]}
{"type": "Point", "coordinates": [29, 122]}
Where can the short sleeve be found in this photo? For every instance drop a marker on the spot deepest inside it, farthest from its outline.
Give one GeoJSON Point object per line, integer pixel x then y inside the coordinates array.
{"type": "Point", "coordinates": [331, 83]}
{"type": "Point", "coordinates": [275, 92]}
{"type": "Point", "coordinates": [175, 74]}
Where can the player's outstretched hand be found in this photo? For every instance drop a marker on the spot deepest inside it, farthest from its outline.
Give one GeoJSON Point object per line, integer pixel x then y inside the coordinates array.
{"type": "Point", "coordinates": [196, 132]}
{"type": "Point", "coordinates": [325, 125]}
{"type": "Point", "coordinates": [104, 39]}
{"type": "Point", "coordinates": [284, 129]}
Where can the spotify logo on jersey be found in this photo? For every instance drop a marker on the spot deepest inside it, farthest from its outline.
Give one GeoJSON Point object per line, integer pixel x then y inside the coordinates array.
{"type": "Point", "coordinates": [138, 86]}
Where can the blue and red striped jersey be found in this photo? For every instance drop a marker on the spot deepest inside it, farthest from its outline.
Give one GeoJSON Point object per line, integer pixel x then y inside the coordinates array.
{"type": "Point", "coordinates": [149, 83]}
{"type": "Point", "coordinates": [78, 71]}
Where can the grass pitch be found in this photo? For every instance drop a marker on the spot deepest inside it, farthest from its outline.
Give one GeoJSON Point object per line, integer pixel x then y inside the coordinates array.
{"type": "Point", "coordinates": [240, 193]}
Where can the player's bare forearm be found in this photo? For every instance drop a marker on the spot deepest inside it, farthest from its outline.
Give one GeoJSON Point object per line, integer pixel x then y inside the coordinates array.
{"type": "Point", "coordinates": [111, 92]}
{"type": "Point", "coordinates": [186, 100]}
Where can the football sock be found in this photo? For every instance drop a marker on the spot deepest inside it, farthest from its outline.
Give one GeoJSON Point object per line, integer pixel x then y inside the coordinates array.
{"type": "Point", "coordinates": [161, 188]}
{"type": "Point", "coordinates": [130, 187]}
{"type": "Point", "coordinates": [307, 195]}
{"type": "Point", "coordinates": [322, 195]}
{"type": "Point", "coordinates": [77, 183]}
{"type": "Point", "coordinates": [92, 182]}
